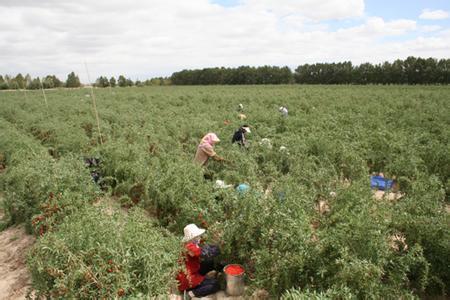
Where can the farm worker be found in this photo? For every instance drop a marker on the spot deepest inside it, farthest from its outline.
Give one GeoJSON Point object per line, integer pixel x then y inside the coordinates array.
{"type": "Point", "coordinates": [285, 150]}
{"type": "Point", "coordinates": [265, 142]}
{"type": "Point", "coordinates": [281, 196]}
{"type": "Point", "coordinates": [385, 188]}
{"type": "Point", "coordinates": [239, 136]}
{"type": "Point", "coordinates": [379, 182]}
{"type": "Point", "coordinates": [242, 116]}
{"type": "Point", "coordinates": [196, 280]}
{"type": "Point", "coordinates": [283, 110]}
{"type": "Point", "coordinates": [205, 149]}
{"type": "Point", "coordinates": [242, 188]}
{"type": "Point", "coordinates": [220, 184]}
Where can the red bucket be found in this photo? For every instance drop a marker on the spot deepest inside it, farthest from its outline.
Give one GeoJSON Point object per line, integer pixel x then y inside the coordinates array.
{"type": "Point", "coordinates": [234, 275]}
{"type": "Point", "coordinates": [234, 270]}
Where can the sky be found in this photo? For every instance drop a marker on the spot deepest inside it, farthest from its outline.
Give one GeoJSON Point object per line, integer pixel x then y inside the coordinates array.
{"type": "Point", "coordinates": [147, 38]}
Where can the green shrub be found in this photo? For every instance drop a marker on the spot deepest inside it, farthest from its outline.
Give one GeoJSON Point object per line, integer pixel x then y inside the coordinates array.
{"type": "Point", "coordinates": [95, 255]}
{"type": "Point", "coordinates": [40, 192]}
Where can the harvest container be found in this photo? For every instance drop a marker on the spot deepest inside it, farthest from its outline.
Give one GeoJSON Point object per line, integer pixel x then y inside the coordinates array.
{"type": "Point", "coordinates": [234, 275]}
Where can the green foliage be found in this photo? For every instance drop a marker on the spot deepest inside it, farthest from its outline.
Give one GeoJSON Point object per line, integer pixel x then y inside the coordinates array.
{"type": "Point", "coordinates": [336, 293]}
{"type": "Point", "coordinates": [112, 82]}
{"type": "Point", "coordinates": [51, 81]}
{"type": "Point", "coordinates": [240, 75]}
{"type": "Point", "coordinates": [102, 82]}
{"type": "Point", "coordinates": [41, 191]}
{"type": "Point", "coordinates": [409, 71]}
{"type": "Point", "coordinates": [335, 137]}
{"type": "Point", "coordinates": [95, 255]}
{"type": "Point", "coordinates": [35, 84]}
{"type": "Point", "coordinates": [123, 82]}
{"type": "Point", "coordinates": [20, 81]}
{"type": "Point", "coordinates": [72, 80]}
{"type": "Point", "coordinates": [3, 83]}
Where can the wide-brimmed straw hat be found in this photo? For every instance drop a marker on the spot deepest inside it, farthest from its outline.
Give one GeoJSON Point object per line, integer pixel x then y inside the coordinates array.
{"type": "Point", "coordinates": [220, 184]}
{"type": "Point", "coordinates": [215, 138]}
{"type": "Point", "coordinates": [191, 231]}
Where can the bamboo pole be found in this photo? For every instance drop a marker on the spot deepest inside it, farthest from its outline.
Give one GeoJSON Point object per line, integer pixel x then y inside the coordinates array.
{"type": "Point", "coordinates": [25, 89]}
{"type": "Point", "coordinates": [25, 93]}
{"type": "Point", "coordinates": [110, 89]}
{"type": "Point", "coordinates": [43, 92]}
{"type": "Point", "coordinates": [94, 104]}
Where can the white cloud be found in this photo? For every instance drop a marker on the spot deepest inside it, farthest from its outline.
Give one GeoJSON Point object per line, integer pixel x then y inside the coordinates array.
{"type": "Point", "coordinates": [430, 28]}
{"type": "Point", "coordinates": [439, 14]}
{"type": "Point", "coordinates": [311, 9]}
{"type": "Point", "coordinates": [377, 27]}
{"type": "Point", "coordinates": [151, 38]}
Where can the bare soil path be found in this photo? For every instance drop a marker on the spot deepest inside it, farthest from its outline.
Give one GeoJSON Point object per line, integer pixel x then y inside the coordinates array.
{"type": "Point", "coordinates": [14, 275]}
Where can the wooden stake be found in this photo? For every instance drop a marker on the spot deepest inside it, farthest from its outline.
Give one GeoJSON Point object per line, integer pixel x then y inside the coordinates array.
{"type": "Point", "coordinates": [43, 92]}
{"type": "Point", "coordinates": [94, 104]}
{"type": "Point", "coordinates": [25, 93]}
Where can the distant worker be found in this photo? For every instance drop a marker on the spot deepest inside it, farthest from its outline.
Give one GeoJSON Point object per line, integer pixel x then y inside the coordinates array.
{"type": "Point", "coordinates": [242, 188]}
{"type": "Point", "coordinates": [242, 116]}
{"type": "Point", "coordinates": [283, 110]}
{"type": "Point", "coordinates": [220, 184]}
{"type": "Point", "coordinates": [265, 142]}
{"type": "Point", "coordinates": [205, 149]}
{"type": "Point", "coordinates": [239, 136]}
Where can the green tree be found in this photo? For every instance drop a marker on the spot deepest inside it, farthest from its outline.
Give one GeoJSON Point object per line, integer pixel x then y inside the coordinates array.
{"type": "Point", "coordinates": [398, 72]}
{"type": "Point", "coordinates": [102, 82]}
{"type": "Point", "coordinates": [72, 80]}
{"type": "Point", "coordinates": [122, 81]}
{"type": "Point", "coordinates": [443, 71]}
{"type": "Point", "coordinates": [20, 80]}
{"type": "Point", "coordinates": [3, 83]}
{"type": "Point", "coordinates": [13, 85]}
{"type": "Point", "coordinates": [7, 79]}
{"type": "Point", "coordinates": [35, 84]}
{"type": "Point", "coordinates": [112, 82]}
{"type": "Point", "coordinates": [51, 81]}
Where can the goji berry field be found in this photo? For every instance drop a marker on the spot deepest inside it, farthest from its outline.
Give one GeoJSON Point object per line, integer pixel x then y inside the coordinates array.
{"type": "Point", "coordinates": [309, 225]}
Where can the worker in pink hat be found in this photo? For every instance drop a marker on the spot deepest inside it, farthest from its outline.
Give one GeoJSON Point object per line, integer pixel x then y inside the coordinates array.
{"type": "Point", "coordinates": [205, 149]}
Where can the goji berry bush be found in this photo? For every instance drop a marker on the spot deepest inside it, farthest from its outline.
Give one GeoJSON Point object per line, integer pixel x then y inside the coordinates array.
{"type": "Point", "coordinates": [308, 227]}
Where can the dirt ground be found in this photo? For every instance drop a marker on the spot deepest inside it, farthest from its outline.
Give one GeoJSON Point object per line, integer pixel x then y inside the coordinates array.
{"type": "Point", "coordinates": [14, 275]}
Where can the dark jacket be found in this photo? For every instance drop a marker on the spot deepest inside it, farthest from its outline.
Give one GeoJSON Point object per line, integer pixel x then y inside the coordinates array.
{"type": "Point", "coordinates": [239, 137]}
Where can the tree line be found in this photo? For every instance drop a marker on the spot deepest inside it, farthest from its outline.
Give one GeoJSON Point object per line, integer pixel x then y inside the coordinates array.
{"type": "Point", "coordinates": [240, 75]}
{"type": "Point", "coordinates": [47, 82]}
{"type": "Point", "coordinates": [103, 82]}
{"type": "Point", "coordinates": [412, 70]}
{"type": "Point", "coordinates": [73, 81]}
{"type": "Point", "coordinates": [409, 71]}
